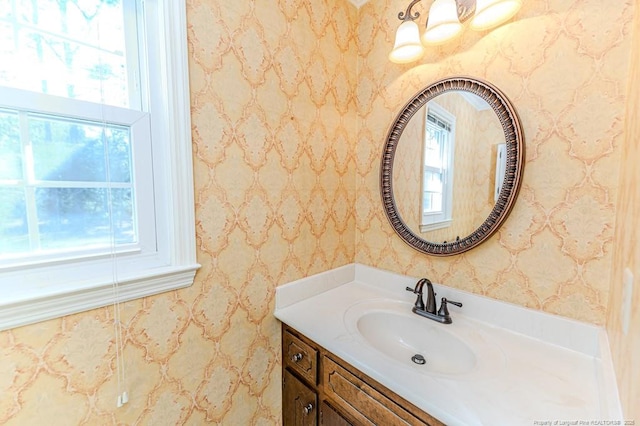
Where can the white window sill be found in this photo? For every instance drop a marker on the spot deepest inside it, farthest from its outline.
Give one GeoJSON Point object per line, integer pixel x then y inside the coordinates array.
{"type": "Point", "coordinates": [49, 306]}
{"type": "Point", "coordinates": [436, 225]}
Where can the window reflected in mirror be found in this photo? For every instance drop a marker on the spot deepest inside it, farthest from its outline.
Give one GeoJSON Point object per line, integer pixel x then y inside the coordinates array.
{"type": "Point", "coordinates": [437, 169]}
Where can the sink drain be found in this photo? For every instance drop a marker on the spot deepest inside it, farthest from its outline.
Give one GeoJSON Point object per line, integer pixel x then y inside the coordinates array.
{"type": "Point", "coordinates": [418, 359]}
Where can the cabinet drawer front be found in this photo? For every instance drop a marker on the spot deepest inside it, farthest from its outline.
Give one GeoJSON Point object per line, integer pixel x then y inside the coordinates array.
{"type": "Point", "coordinates": [360, 400]}
{"type": "Point", "coordinates": [300, 357]}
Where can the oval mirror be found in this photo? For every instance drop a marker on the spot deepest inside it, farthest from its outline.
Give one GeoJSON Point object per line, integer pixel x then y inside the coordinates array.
{"type": "Point", "coordinates": [452, 166]}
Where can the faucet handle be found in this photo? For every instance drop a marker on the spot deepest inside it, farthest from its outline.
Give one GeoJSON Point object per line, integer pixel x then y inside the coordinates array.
{"type": "Point", "coordinates": [418, 291]}
{"type": "Point", "coordinates": [458, 304]}
{"type": "Point", "coordinates": [443, 311]}
{"type": "Point", "coordinates": [419, 302]}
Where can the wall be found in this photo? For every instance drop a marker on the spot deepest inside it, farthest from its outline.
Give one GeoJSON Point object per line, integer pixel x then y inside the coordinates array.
{"type": "Point", "coordinates": [626, 348]}
{"type": "Point", "coordinates": [273, 112]}
{"type": "Point", "coordinates": [564, 67]}
{"type": "Point", "coordinates": [489, 135]}
{"type": "Point", "coordinates": [463, 188]}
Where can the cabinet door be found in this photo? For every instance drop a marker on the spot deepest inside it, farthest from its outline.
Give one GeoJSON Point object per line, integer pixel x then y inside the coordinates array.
{"type": "Point", "coordinates": [330, 417]}
{"type": "Point", "coordinates": [299, 403]}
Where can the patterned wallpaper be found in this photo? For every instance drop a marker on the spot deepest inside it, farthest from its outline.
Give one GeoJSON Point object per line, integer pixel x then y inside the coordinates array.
{"type": "Point", "coordinates": [288, 132]}
{"type": "Point", "coordinates": [564, 67]}
{"type": "Point", "coordinates": [273, 114]}
{"type": "Point", "coordinates": [626, 348]}
{"type": "Point", "coordinates": [489, 134]}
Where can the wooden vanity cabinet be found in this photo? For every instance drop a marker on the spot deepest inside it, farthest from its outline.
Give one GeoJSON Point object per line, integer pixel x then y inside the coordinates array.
{"type": "Point", "coordinates": [320, 388]}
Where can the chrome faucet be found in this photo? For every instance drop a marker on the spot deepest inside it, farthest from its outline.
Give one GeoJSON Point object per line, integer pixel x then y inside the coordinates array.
{"type": "Point", "coordinates": [429, 310]}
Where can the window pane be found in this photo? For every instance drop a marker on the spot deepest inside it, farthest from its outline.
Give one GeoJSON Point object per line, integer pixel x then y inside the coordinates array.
{"type": "Point", "coordinates": [79, 217]}
{"type": "Point", "coordinates": [10, 147]}
{"type": "Point", "coordinates": [433, 187]}
{"type": "Point", "coordinates": [14, 233]}
{"type": "Point", "coordinates": [436, 201]}
{"type": "Point", "coordinates": [65, 150]}
{"type": "Point", "coordinates": [427, 202]}
{"type": "Point", "coordinates": [434, 148]}
{"type": "Point", "coordinates": [119, 149]}
{"type": "Point", "coordinates": [7, 50]}
{"type": "Point", "coordinates": [123, 219]}
{"type": "Point", "coordinates": [74, 49]}
{"type": "Point", "coordinates": [433, 181]}
{"type": "Point", "coordinates": [432, 203]}
{"type": "Point", "coordinates": [5, 9]}
{"type": "Point", "coordinates": [432, 157]}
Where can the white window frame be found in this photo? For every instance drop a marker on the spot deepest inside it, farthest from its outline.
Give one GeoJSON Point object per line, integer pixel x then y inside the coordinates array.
{"type": "Point", "coordinates": [443, 219]}
{"type": "Point", "coordinates": [34, 292]}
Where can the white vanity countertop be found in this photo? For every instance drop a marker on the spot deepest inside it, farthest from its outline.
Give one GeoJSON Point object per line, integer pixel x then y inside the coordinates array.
{"type": "Point", "coordinates": [537, 368]}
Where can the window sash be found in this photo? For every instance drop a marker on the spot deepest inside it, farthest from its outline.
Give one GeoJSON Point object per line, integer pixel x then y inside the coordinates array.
{"type": "Point", "coordinates": [26, 102]}
{"type": "Point", "coordinates": [129, 52]}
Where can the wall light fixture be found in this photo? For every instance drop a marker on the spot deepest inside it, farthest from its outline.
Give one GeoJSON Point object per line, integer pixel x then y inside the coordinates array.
{"type": "Point", "coordinates": [444, 23]}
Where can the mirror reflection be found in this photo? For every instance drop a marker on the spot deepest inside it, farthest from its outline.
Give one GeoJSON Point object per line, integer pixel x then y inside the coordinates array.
{"type": "Point", "coordinates": [449, 166]}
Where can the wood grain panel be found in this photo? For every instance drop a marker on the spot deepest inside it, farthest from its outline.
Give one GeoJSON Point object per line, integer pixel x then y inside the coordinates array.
{"type": "Point", "coordinates": [330, 417]}
{"type": "Point", "coordinates": [362, 401]}
{"type": "Point", "coordinates": [300, 357]}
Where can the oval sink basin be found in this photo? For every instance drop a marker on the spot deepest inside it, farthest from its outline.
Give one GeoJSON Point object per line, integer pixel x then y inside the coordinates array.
{"type": "Point", "coordinates": [460, 350]}
{"type": "Point", "coordinates": [402, 337]}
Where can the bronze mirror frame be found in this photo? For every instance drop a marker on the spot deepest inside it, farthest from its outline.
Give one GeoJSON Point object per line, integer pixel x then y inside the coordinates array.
{"type": "Point", "coordinates": [513, 174]}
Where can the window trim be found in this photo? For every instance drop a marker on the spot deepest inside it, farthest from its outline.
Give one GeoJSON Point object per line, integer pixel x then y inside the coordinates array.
{"type": "Point", "coordinates": [175, 265]}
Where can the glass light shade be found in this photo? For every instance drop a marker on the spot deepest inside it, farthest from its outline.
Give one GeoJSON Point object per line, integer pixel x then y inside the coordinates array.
{"type": "Point", "coordinates": [407, 47]}
{"type": "Point", "coordinates": [443, 23]}
{"type": "Point", "coordinates": [491, 13]}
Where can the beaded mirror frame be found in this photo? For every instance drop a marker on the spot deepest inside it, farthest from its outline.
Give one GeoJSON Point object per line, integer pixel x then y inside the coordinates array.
{"type": "Point", "coordinates": [514, 139]}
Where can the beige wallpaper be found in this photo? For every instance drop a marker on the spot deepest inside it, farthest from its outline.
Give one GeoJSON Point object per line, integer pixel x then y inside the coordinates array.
{"type": "Point", "coordinates": [288, 132]}
{"type": "Point", "coordinates": [463, 185]}
{"type": "Point", "coordinates": [472, 169]}
{"type": "Point", "coordinates": [626, 348]}
{"type": "Point", "coordinates": [489, 134]}
{"type": "Point", "coordinates": [273, 113]}
{"type": "Point", "coordinates": [564, 67]}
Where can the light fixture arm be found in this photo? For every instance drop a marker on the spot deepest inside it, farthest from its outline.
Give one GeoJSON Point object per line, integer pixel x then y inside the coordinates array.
{"type": "Point", "coordinates": [465, 10]}
{"type": "Point", "coordinates": [406, 15]}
